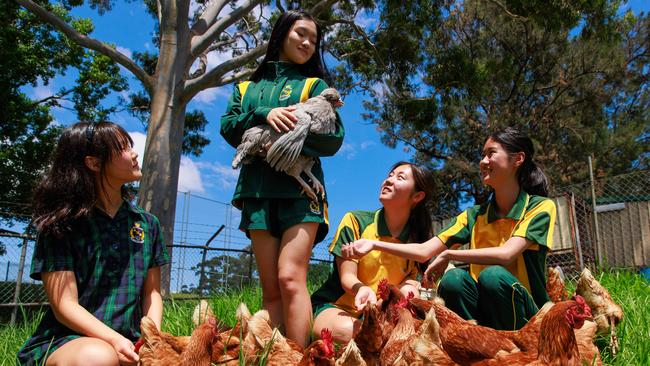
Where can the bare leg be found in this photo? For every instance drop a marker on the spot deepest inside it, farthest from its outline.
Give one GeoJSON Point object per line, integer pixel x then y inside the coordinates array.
{"type": "Point", "coordinates": [342, 325]}
{"type": "Point", "coordinates": [410, 286]}
{"type": "Point", "coordinates": [295, 250]}
{"type": "Point", "coordinates": [84, 351]}
{"type": "Point", "coordinates": [267, 248]}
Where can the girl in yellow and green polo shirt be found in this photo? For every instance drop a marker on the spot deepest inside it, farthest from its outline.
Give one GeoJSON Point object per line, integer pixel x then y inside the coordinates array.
{"type": "Point", "coordinates": [403, 218]}
{"type": "Point", "coordinates": [283, 223]}
{"type": "Point", "coordinates": [509, 238]}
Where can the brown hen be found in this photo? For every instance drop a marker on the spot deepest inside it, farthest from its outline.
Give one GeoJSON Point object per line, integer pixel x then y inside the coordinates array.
{"type": "Point", "coordinates": [157, 351]}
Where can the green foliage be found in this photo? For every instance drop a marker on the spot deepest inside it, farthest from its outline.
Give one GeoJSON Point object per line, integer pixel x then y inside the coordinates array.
{"type": "Point", "coordinates": [441, 76]}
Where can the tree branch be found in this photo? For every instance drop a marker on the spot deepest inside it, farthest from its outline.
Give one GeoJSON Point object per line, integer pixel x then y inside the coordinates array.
{"type": "Point", "coordinates": [321, 6]}
{"type": "Point", "coordinates": [87, 42]}
{"type": "Point", "coordinates": [201, 42]}
{"type": "Point", "coordinates": [505, 10]}
{"type": "Point", "coordinates": [214, 77]}
{"type": "Point", "coordinates": [208, 17]}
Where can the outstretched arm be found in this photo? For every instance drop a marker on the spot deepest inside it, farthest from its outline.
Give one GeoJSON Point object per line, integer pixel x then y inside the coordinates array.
{"type": "Point", "coordinates": [503, 255]}
{"type": "Point", "coordinates": [351, 284]}
{"type": "Point", "coordinates": [417, 252]}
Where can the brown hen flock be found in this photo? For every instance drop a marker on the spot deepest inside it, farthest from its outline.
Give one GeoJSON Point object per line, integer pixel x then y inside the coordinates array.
{"type": "Point", "coordinates": [401, 330]}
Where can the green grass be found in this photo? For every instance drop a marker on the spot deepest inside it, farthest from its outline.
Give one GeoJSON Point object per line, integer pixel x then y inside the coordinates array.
{"type": "Point", "coordinates": [627, 288]}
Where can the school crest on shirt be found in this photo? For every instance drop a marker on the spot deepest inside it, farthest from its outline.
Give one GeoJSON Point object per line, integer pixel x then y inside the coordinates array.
{"type": "Point", "coordinates": [286, 92]}
{"type": "Point", "coordinates": [137, 233]}
{"type": "Point", "coordinates": [314, 207]}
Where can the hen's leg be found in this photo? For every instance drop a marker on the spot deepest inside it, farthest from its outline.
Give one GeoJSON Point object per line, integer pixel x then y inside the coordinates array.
{"type": "Point", "coordinates": [318, 186]}
{"type": "Point", "coordinates": [306, 189]}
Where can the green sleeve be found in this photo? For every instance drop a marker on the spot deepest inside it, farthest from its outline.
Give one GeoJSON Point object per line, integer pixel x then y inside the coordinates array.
{"type": "Point", "coordinates": [347, 232]}
{"type": "Point", "coordinates": [235, 121]}
{"type": "Point", "coordinates": [323, 144]}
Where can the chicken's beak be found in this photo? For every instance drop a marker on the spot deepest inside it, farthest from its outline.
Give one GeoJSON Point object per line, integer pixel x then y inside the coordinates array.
{"type": "Point", "coordinates": [338, 103]}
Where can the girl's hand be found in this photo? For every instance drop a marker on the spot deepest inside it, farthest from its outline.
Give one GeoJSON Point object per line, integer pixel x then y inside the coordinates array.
{"type": "Point", "coordinates": [281, 118]}
{"type": "Point", "coordinates": [437, 268]}
{"type": "Point", "coordinates": [125, 350]}
{"type": "Point", "coordinates": [357, 249]}
{"type": "Point", "coordinates": [364, 296]}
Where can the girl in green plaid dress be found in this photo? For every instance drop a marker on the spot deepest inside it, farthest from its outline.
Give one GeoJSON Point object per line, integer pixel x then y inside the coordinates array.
{"type": "Point", "coordinates": [98, 255]}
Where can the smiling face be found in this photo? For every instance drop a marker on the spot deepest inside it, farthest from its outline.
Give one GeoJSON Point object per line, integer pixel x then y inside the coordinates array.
{"type": "Point", "coordinates": [399, 188]}
{"type": "Point", "coordinates": [497, 165]}
{"type": "Point", "coordinates": [300, 43]}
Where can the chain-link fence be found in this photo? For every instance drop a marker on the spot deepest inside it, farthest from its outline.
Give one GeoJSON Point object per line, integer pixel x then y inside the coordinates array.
{"type": "Point", "coordinates": [605, 221]}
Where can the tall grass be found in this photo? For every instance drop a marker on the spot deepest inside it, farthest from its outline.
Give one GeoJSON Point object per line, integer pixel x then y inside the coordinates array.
{"type": "Point", "coordinates": [627, 288]}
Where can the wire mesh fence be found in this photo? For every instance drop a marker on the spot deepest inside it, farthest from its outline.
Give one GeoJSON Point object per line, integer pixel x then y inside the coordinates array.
{"type": "Point", "coordinates": [606, 221]}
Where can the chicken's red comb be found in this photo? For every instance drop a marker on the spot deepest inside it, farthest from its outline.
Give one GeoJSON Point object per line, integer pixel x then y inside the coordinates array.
{"type": "Point", "coordinates": [586, 310]}
{"type": "Point", "coordinates": [382, 289]}
{"type": "Point", "coordinates": [410, 296]}
{"type": "Point", "coordinates": [326, 335]}
{"type": "Point", "coordinates": [138, 344]}
{"type": "Point", "coordinates": [402, 303]}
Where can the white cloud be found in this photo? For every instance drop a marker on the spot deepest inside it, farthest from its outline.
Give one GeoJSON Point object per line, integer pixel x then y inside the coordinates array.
{"type": "Point", "coordinates": [208, 96]}
{"type": "Point", "coordinates": [139, 140]}
{"type": "Point", "coordinates": [189, 178]}
{"type": "Point", "coordinates": [42, 91]}
{"type": "Point", "coordinates": [224, 177]}
{"type": "Point", "coordinates": [366, 144]}
{"type": "Point", "coordinates": [348, 150]}
{"type": "Point", "coordinates": [125, 51]}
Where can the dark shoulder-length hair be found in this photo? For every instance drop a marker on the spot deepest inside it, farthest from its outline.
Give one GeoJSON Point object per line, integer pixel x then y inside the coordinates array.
{"type": "Point", "coordinates": [420, 223]}
{"type": "Point", "coordinates": [68, 190]}
{"type": "Point", "coordinates": [530, 177]}
{"type": "Point", "coordinates": [314, 67]}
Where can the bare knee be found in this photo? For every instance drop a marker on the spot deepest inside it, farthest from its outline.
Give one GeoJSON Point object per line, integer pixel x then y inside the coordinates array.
{"type": "Point", "coordinates": [410, 286]}
{"type": "Point", "coordinates": [291, 282]}
{"type": "Point", "coordinates": [84, 352]}
{"type": "Point", "coordinates": [343, 328]}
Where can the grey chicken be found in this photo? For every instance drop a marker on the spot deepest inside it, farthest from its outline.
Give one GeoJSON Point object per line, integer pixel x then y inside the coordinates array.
{"type": "Point", "coordinates": [282, 150]}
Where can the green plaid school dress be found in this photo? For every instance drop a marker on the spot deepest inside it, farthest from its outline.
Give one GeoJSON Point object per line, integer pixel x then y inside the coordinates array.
{"type": "Point", "coordinates": [110, 258]}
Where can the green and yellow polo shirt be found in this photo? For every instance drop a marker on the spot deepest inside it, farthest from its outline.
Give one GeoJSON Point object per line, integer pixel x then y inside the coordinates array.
{"type": "Point", "coordinates": [373, 267]}
{"type": "Point", "coordinates": [531, 217]}
{"type": "Point", "coordinates": [282, 85]}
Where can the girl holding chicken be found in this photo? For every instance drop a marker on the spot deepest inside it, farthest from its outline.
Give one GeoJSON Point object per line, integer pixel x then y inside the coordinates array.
{"type": "Point", "coordinates": [98, 255]}
{"type": "Point", "coordinates": [353, 283]}
{"type": "Point", "coordinates": [283, 224]}
{"type": "Point", "coordinates": [508, 236]}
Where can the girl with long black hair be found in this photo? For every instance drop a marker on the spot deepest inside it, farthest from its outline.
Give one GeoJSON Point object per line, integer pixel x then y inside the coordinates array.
{"type": "Point", "coordinates": [98, 255]}
{"type": "Point", "coordinates": [509, 237]}
{"type": "Point", "coordinates": [283, 223]}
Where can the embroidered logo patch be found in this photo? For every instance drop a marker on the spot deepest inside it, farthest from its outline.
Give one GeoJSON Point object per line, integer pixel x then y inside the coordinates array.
{"type": "Point", "coordinates": [286, 92]}
{"type": "Point", "coordinates": [314, 207]}
{"type": "Point", "coordinates": [137, 233]}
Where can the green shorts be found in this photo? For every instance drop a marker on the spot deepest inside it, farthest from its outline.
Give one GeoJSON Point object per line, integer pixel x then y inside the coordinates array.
{"type": "Point", "coordinates": [278, 214]}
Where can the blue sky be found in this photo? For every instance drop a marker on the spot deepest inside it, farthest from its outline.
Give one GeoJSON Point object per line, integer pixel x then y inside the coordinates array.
{"type": "Point", "coordinates": [353, 176]}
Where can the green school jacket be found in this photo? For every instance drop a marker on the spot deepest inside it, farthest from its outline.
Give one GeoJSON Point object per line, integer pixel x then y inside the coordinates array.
{"type": "Point", "coordinates": [280, 86]}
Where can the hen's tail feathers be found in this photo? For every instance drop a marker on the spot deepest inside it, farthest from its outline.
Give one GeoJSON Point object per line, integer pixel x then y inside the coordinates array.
{"type": "Point", "coordinates": [351, 356]}
{"type": "Point", "coordinates": [201, 312]}
{"type": "Point", "coordinates": [284, 152]}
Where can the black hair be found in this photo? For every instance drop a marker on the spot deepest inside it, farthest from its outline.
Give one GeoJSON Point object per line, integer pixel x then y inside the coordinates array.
{"type": "Point", "coordinates": [420, 223]}
{"type": "Point", "coordinates": [531, 178]}
{"type": "Point", "coordinates": [68, 190]}
{"type": "Point", "coordinates": [314, 67]}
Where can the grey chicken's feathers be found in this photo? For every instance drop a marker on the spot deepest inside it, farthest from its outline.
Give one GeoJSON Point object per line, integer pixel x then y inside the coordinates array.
{"type": "Point", "coordinates": [285, 150]}
{"type": "Point", "coordinates": [316, 115]}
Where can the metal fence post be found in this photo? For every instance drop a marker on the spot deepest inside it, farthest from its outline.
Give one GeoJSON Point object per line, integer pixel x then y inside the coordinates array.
{"type": "Point", "coordinates": [19, 277]}
{"type": "Point", "coordinates": [599, 249]}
